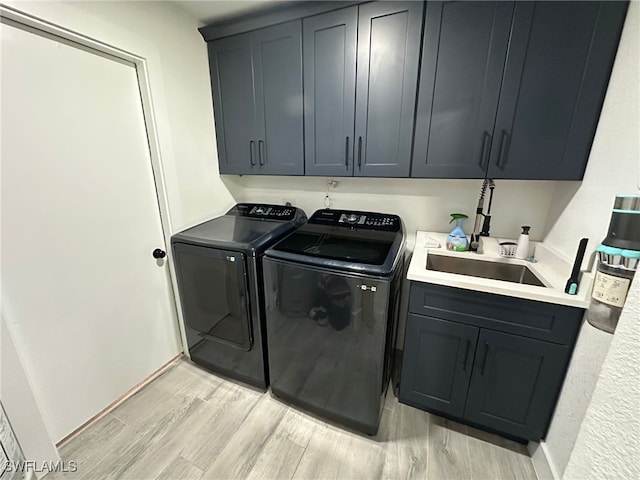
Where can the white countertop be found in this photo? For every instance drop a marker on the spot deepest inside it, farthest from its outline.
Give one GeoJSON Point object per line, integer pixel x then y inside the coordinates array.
{"type": "Point", "coordinates": [550, 268]}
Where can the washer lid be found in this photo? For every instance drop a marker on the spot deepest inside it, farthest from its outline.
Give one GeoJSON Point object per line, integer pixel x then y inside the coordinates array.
{"type": "Point", "coordinates": [366, 247]}
{"type": "Point", "coordinates": [359, 242]}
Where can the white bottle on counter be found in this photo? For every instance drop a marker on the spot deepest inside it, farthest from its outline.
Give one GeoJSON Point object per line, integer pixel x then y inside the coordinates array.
{"type": "Point", "coordinates": [522, 251]}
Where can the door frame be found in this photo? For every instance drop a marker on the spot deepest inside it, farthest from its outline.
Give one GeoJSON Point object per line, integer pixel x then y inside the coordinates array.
{"type": "Point", "coordinates": [48, 29]}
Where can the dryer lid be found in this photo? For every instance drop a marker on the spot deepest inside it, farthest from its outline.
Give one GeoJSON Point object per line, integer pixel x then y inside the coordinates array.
{"type": "Point", "coordinates": [247, 227]}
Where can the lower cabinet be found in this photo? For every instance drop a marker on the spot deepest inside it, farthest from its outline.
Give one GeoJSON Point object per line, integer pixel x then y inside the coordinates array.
{"type": "Point", "coordinates": [503, 381]}
{"type": "Point", "coordinates": [436, 369]}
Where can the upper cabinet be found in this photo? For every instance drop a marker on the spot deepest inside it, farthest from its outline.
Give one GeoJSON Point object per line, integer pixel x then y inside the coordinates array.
{"type": "Point", "coordinates": [507, 89]}
{"type": "Point", "coordinates": [231, 79]}
{"type": "Point", "coordinates": [329, 49]}
{"type": "Point", "coordinates": [555, 80]}
{"type": "Point", "coordinates": [513, 90]}
{"type": "Point", "coordinates": [361, 123]}
{"type": "Point", "coordinates": [465, 46]}
{"type": "Point", "coordinates": [388, 56]}
{"type": "Point", "coordinates": [256, 80]}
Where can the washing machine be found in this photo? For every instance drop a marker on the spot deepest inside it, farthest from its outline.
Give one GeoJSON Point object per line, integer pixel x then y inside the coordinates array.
{"type": "Point", "coordinates": [333, 288]}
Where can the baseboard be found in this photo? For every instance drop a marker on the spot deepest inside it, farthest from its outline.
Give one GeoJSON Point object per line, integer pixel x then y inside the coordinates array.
{"type": "Point", "coordinates": [121, 399]}
{"type": "Point", "coordinates": [542, 463]}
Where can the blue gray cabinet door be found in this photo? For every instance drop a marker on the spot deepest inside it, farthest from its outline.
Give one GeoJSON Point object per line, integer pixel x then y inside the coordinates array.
{"type": "Point", "coordinates": [277, 67]}
{"type": "Point", "coordinates": [232, 88]}
{"type": "Point", "coordinates": [256, 80]}
{"type": "Point", "coordinates": [329, 52]}
{"type": "Point", "coordinates": [388, 55]}
{"type": "Point", "coordinates": [436, 366]}
{"type": "Point", "coordinates": [463, 54]}
{"type": "Point", "coordinates": [515, 383]}
{"type": "Point", "coordinates": [555, 79]}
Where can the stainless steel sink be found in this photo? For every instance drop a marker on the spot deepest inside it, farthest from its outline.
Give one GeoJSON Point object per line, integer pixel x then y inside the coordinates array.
{"type": "Point", "coordinates": [481, 268]}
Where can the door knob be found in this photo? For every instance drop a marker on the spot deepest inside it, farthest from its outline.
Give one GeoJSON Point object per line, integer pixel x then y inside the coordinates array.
{"type": "Point", "coordinates": [157, 253]}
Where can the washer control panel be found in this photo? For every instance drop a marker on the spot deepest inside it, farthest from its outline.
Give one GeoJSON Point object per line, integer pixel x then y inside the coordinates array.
{"type": "Point", "coordinates": [346, 218]}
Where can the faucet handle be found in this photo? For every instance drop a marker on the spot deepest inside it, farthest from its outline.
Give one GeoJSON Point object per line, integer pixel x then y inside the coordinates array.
{"type": "Point", "coordinates": [486, 225]}
{"type": "Point", "coordinates": [475, 245]}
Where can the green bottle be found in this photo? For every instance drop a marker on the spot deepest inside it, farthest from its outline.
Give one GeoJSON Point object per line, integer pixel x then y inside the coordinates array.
{"type": "Point", "coordinates": [457, 239]}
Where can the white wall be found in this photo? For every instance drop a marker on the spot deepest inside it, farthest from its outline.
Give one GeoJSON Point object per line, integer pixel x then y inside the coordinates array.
{"type": "Point", "coordinates": [608, 444]}
{"type": "Point", "coordinates": [20, 403]}
{"type": "Point", "coordinates": [585, 212]}
{"type": "Point", "coordinates": [423, 204]}
{"type": "Point", "coordinates": [179, 77]}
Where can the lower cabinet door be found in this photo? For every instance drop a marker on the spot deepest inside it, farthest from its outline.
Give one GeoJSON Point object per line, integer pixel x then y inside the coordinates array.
{"type": "Point", "coordinates": [436, 365]}
{"type": "Point", "coordinates": [515, 383]}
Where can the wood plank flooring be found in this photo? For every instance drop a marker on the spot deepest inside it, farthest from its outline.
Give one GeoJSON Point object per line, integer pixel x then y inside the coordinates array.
{"type": "Point", "coordinates": [189, 424]}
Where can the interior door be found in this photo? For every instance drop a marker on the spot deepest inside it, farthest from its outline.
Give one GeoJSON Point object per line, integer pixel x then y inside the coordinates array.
{"type": "Point", "coordinates": [387, 75]}
{"type": "Point", "coordinates": [91, 309]}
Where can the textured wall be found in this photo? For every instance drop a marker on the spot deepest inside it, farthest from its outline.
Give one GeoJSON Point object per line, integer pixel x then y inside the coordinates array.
{"type": "Point", "coordinates": [608, 444]}
{"type": "Point", "coordinates": [589, 354]}
{"type": "Point", "coordinates": [612, 169]}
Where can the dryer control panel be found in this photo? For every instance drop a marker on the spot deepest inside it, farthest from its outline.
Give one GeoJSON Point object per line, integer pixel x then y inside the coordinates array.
{"type": "Point", "coordinates": [259, 210]}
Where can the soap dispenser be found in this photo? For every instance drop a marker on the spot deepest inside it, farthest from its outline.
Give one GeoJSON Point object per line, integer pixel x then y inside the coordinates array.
{"type": "Point", "coordinates": [457, 239]}
{"type": "Point", "coordinates": [522, 250]}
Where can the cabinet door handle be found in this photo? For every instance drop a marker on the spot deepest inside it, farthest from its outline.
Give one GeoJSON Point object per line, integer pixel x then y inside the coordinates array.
{"type": "Point", "coordinates": [466, 355]}
{"type": "Point", "coordinates": [346, 152]}
{"type": "Point", "coordinates": [260, 151]}
{"type": "Point", "coordinates": [360, 152]}
{"type": "Point", "coordinates": [483, 150]}
{"type": "Point", "coordinates": [252, 155]}
{"type": "Point", "coordinates": [484, 360]}
{"type": "Point", "coordinates": [502, 155]}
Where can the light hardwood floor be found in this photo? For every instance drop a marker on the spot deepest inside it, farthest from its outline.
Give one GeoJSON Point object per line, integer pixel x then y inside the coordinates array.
{"type": "Point", "coordinates": [190, 424]}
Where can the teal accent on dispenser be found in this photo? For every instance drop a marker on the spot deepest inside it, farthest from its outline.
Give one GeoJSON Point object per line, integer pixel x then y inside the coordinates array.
{"type": "Point", "coordinates": [618, 261]}
{"type": "Point", "coordinates": [457, 239]}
